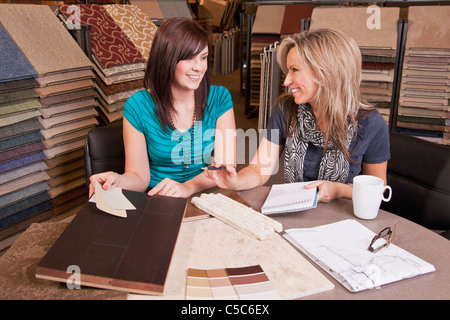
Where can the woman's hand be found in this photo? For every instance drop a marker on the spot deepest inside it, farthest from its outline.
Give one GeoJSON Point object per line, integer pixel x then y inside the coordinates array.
{"type": "Point", "coordinates": [171, 188]}
{"type": "Point", "coordinates": [329, 191]}
{"type": "Point", "coordinates": [105, 179]}
{"type": "Point", "coordinates": [224, 179]}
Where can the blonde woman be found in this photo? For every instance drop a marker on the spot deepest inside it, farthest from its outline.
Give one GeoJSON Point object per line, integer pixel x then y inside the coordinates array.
{"type": "Point", "coordinates": [328, 132]}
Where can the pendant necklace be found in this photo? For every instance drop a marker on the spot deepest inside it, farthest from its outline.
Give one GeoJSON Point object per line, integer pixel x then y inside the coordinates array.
{"type": "Point", "coordinates": [187, 156]}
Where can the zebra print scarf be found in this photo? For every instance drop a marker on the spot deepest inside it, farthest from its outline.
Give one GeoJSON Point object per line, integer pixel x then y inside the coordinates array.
{"type": "Point", "coordinates": [333, 166]}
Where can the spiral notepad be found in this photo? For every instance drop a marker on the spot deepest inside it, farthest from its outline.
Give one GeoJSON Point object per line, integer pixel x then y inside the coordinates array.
{"type": "Point", "coordinates": [289, 197]}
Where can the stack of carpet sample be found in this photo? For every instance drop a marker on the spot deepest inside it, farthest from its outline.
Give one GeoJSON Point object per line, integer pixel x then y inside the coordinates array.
{"type": "Point", "coordinates": [121, 37]}
{"type": "Point", "coordinates": [46, 115]}
{"type": "Point", "coordinates": [425, 86]}
{"type": "Point", "coordinates": [21, 144]}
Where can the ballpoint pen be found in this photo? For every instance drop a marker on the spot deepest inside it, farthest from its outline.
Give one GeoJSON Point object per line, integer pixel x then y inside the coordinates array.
{"type": "Point", "coordinates": [214, 168]}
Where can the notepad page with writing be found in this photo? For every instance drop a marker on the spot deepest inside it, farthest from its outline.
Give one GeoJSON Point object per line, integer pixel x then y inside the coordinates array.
{"type": "Point", "coordinates": [289, 197]}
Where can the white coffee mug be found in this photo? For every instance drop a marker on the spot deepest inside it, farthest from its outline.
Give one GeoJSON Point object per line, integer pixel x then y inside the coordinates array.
{"type": "Point", "coordinates": [368, 191]}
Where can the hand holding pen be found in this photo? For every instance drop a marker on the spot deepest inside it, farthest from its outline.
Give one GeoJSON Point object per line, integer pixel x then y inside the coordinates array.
{"type": "Point", "coordinates": [223, 175]}
{"type": "Point", "coordinates": [214, 168]}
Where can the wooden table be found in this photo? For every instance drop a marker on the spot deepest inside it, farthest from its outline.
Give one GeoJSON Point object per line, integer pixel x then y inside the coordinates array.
{"type": "Point", "coordinates": [410, 236]}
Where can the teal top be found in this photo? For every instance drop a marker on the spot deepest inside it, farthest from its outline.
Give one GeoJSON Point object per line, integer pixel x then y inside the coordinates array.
{"type": "Point", "coordinates": [173, 154]}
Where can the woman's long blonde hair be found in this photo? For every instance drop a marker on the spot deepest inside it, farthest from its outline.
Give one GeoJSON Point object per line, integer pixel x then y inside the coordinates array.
{"type": "Point", "coordinates": [334, 60]}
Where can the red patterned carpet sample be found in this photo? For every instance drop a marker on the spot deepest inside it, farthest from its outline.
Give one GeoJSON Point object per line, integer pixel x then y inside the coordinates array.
{"type": "Point", "coordinates": [109, 43]}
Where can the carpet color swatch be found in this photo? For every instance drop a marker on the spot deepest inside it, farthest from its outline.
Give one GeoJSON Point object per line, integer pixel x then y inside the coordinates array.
{"type": "Point", "coordinates": [42, 39]}
{"type": "Point", "coordinates": [14, 64]}
{"type": "Point", "coordinates": [244, 283]}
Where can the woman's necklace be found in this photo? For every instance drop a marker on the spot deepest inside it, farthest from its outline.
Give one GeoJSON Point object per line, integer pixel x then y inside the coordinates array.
{"type": "Point", "coordinates": [187, 155]}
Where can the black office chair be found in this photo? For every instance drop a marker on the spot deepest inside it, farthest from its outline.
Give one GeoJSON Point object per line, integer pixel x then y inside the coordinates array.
{"type": "Point", "coordinates": [104, 150]}
{"type": "Point", "coordinates": [419, 175]}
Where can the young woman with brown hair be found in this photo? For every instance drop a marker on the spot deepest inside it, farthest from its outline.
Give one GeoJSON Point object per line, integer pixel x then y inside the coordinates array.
{"type": "Point", "coordinates": [172, 128]}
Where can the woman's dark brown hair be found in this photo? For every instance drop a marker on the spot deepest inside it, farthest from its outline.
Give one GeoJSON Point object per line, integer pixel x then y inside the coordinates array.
{"type": "Point", "coordinates": [175, 40]}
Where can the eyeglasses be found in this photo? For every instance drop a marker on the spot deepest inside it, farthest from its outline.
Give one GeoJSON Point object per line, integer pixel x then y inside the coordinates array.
{"type": "Point", "coordinates": [386, 234]}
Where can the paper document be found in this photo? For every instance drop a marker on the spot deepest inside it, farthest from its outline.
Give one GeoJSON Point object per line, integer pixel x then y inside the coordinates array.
{"type": "Point", "coordinates": [112, 201]}
{"type": "Point", "coordinates": [341, 249]}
